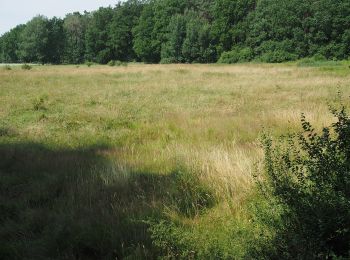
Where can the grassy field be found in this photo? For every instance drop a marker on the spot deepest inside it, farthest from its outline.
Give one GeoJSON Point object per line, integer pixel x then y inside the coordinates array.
{"type": "Point", "coordinates": [145, 160]}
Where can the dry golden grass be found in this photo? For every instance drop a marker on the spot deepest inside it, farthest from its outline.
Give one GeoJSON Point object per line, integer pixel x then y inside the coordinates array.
{"type": "Point", "coordinates": [155, 113]}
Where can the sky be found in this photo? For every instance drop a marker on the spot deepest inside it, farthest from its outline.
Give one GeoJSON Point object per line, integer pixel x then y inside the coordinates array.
{"type": "Point", "coordinates": [14, 12]}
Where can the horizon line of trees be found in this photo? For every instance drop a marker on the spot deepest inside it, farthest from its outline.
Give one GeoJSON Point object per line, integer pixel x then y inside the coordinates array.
{"type": "Point", "coordinates": [186, 31]}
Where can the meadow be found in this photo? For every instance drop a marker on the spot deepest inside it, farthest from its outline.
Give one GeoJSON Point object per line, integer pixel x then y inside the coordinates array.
{"type": "Point", "coordinates": [141, 161]}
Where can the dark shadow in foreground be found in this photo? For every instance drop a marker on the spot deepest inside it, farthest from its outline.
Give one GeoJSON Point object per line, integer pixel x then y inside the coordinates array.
{"type": "Point", "coordinates": [73, 204]}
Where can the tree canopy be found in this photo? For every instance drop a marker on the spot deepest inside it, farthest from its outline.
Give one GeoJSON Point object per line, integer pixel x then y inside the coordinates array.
{"type": "Point", "coordinates": [202, 31]}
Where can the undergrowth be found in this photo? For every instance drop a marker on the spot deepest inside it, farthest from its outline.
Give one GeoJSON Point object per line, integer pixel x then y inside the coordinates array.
{"type": "Point", "coordinates": [308, 178]}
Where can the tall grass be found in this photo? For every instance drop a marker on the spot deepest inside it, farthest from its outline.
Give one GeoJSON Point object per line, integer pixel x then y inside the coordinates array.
{"type": "Point", "coordinates": [144, 160]}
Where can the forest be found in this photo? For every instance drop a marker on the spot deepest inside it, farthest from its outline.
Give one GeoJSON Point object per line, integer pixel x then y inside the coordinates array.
{"type": "Point", "coordinates": [186, 31]}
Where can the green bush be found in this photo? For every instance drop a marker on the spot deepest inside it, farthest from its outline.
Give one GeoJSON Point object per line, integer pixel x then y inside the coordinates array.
{"type": "Point", "coordinates": [111, 63]}
{"type": "Point", "coordinates": [118, 63]}
{"type": "Point", "coordinates": [237, 55]}
{"type": "Point", "coordinates": [277, 56]}
{"type": "Point", "coordinates": [276, 51]}
{"type": "Point", "coordinates": [319, 57]}
{"type": "Point", "coordinates": [171, 241]}
{"type": "Point", "coordinates": [317, 61]}
{"type": "Point", "coordinates": [309, 176]}
{"type": "Point", "coordinates": [89, 63]}
{"type": "Point", "coordinates": [26, 67]}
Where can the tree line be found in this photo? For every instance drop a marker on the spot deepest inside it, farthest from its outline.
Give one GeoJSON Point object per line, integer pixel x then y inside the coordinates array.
{"type": "Point", "coordinates": [186, 31]}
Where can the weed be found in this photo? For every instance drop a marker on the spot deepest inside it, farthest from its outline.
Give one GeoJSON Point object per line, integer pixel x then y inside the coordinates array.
{"type": "Point", "coordinates": [39, 104]}
{"type": "Point", "coordinates": [42, 117]}
{"type": "Point", "coordinates": [26, 67]}
{"type": "Point", "coordinates": [111, 63]}
{"type": "Point", "coordinates": [118, 63]}
{"type": "Point", "coordinates": [7, 132]}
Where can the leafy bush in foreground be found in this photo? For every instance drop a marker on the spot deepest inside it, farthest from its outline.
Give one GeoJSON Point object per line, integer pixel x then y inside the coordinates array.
{"type": "Point", "coordinates": [309, 175]}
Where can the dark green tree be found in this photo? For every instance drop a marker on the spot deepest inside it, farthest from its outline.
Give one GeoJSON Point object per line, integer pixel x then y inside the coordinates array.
{"type": "Point", "coordinates": [56, 41]}
{"type": "Point", "coordinates": [98, 48]}
{"type": "Point", "coordinates": [124, 19]}
{"type": "Point", "coordinates": [9, 43]}
{"type": "Point", "coordinates": [145, 44]}
{"type": "Point", "coordinates": [34, 40]}
{"type": "Point", "coordinates": [172, 49]}
{"type": "Point", "coordinates": [230, 26]}
{"type": "Point", "coordinates": [197, 46]}
{"type": "Point", "coordinates": [74, 30]}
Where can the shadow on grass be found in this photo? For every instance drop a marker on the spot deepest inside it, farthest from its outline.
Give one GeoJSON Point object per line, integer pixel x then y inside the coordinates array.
{"type": "Point", "coordinates": [76, 204]}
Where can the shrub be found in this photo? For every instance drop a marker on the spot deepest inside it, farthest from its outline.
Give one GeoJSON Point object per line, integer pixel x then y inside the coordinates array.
{"type": "Point", "coordinates": [277, 56]}
{"type": "Point", "coordinates": [118, 63]}
{"type": "Point", "coordinates": [277, 51]}
{"type": "Point", "coordinates": [309, 176]}
{"type": "Point", "coordinates": [26, 67]}
{"type": "Point", "coordinates": [169, 60]}
{"type": "Point", "coordinates": [111, 63]}
{"type": "Point", "coordinates": [89, 63]}
{"type": "Point", "coordinates": [237, 55]}
{"type": "Point", "coordinates": [317, 61]}
{"type": "Point", "coordinates": [171, 241]}
{"type": "Point", "coordinates": [39, 104]}
{"type": "Point", "coordinates": [319, 57]}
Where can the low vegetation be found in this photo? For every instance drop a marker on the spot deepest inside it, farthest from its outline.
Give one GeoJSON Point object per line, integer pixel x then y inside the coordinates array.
{"type": "Point", "coordinates": [164, 161]}
{"type": "Point", "coordinates": [26, 67]}
{"type": "Point", "coordinates": [308, 176]}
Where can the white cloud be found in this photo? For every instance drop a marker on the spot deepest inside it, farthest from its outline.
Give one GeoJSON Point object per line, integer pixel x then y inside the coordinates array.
{"type": "Point", "coordinates": [14, 12]}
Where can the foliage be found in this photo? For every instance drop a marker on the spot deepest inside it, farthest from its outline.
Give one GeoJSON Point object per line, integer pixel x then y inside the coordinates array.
{"type": "Point", "coordinates": [237, 55]}
{"type": "Point", "coordinates": [26, 67]}
{"type": "Point", "coordinates": [89, 63]}
{"type": "Point", "coordinates": [9, 45]}
{"type": "Point", "coordinates": [172, 49]}
{"type": "Point", "coordinates": [125, 18]}
{"type": "Point", "coordinates": [145, 44]}
{"type": "Point", "coordinates": [186, 31]}
{"type": "Point", "coordinates": [317, 61]}
{"type": "Point", "coordinates": [97, 35]}
{"type": "Point", "coordinates": [74, 35]}
{"type": "Point", "coordinates": [56, 41]}
{"type": "Point", "coordinates": [309, 175]}
{"type": "Point", "coordinates": [229, 25]}
{"type": "Point", "coordinates": [113, 63]}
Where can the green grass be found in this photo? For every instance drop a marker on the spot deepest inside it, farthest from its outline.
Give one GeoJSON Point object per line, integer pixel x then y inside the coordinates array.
{"type": "Point", "coordinates": [144, 160]}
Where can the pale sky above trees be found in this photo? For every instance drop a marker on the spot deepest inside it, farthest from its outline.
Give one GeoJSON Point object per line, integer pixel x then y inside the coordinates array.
{"type": "Point", "coordinates": [14, 12]}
